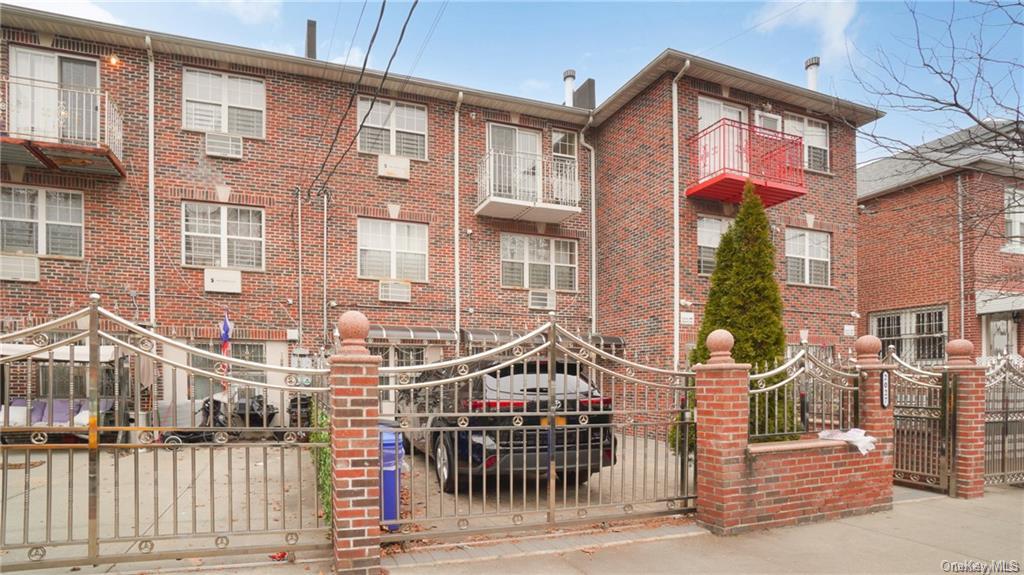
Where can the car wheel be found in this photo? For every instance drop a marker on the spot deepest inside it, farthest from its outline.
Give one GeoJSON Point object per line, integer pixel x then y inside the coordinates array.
{"type": "Point", "coordinates": [444, 462]}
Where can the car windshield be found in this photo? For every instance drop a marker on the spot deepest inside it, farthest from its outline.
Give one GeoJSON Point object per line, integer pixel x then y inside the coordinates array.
{"type": "Point", "coordinates": [533, 378]}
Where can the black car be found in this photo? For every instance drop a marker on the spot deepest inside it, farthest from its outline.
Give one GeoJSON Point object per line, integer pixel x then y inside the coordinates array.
{"type": "Point", "coordinates": [507, 431]}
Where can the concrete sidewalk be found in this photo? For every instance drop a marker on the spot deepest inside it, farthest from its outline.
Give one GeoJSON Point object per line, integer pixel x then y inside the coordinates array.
{"type": "Point", "coordinates": [915, 537]}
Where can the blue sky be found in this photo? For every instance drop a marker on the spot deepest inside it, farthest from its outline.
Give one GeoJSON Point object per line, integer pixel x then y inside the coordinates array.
{"type": "Point", "coordinates": [522, 48]}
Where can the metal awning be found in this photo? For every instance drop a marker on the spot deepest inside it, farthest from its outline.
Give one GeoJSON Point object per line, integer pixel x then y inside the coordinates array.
{"type": "Point", "coordinates": [63, 353]}
{"type": "Point", "coordinates": [607, 341]}
{"type": "Point", "coordinates": [419, 333]}
{"type": "Point", "coordinates": [992, 301]}
{"type": "Point", "coordinates": [494, 336]}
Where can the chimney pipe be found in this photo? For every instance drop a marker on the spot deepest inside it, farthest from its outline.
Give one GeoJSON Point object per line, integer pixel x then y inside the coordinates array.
{"type": "Point", "coordinates": [569, 77]}
{"type": "Point", "coordinates": [311, 39]}
{"type": "Point", "coordinates": [811, 66]}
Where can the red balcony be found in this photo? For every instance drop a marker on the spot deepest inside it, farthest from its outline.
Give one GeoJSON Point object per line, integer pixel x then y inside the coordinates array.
{"type": "Point", "coordinates": [726, 154]}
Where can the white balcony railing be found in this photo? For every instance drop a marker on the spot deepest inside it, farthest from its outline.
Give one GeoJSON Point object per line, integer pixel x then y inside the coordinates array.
{"type": "Point", "coordinates": [528, 178]}
{"type": "Point", "coordinates": [48, 112]}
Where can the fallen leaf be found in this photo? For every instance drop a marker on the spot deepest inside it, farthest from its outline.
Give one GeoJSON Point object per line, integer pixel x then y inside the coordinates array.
{"type": "Point", "coordinates": [279, 556]}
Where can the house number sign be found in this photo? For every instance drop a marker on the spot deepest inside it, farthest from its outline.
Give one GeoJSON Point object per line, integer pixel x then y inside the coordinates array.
{"type": "Point", "coordinates": [884, 391]}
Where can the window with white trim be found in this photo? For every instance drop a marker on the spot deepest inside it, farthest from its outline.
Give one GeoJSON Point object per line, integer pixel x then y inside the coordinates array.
{"type": "Point", "coordinates": [41, 222]}
{"type": "Point", "coordinates": [202, 387]}
{"type": "Point", "coordinates": [390, 249]}
{"type": "Point", "coordinates": [537, 262]}
{"type": "Point", "coordinates": [709, 235]}
{"type": "Point", "coordinates": [918, 335]}
{"type": "Point", "coordinates": [1013, 213]}
{"type": "Point", "coordinates": [808, 257]}
{"type": "Point", "coordinates": [563, 144]}
{"type": "Point", "coordinates": [390, 127]}
{"type": "Point", "coordinates": [816, 140]}
{"type": "Point", "coordinates": [221, 236]}
{"type": "Point", "coordinates": [225, 103]}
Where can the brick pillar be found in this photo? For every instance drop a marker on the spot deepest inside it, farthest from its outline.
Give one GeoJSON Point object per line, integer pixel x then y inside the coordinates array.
{"type": "Point", "coordinates": [968, 481]}
{"type": "Point", "coordinates": [723, 410]}
{"type": "Point", "coordinates": [875, 420]}
{"type": "Point", "coordinates": [355, 446]}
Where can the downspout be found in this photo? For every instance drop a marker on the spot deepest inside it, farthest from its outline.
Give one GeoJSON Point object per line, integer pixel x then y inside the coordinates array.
{"type": "Point", "coordinates": [675, 214]}
{"type": "Point", "coordinates": [593, 226]}
{"type": "Point", "coordinates": [151, 184]}
{"type": "Point", "coordinates": [960, 234]}
{"type": "Point", "coordinates": [458, 232]}
{"type": "Point", "coordinates": [298, 200]}
{"type": "Point", "coordinates": [327, 328]}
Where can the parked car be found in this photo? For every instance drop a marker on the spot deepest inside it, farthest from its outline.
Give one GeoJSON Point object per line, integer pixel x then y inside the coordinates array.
{"type": "Point", "coordinates": [493, 404]}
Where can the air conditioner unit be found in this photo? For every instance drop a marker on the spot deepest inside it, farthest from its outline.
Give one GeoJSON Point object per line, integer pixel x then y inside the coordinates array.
{"type": "Point", "coordinates": [19, 268]}
{"type": "Point", "coordinates": [394, 290]}
{"type": "Point", "coordinates": [224, 146]}
{"type": "Point", "coordinates": [542, 299]}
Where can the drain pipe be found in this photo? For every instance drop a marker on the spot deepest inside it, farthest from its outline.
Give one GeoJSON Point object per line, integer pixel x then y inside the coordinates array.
{"type": "Point", "coordinates": [298, 200]}
{"type": "Point", "coordinates": [326, 334]}
{"type": "Point", "coordinates": [675, 214]}
{"type": "Point", "coordinates": [960, 234]}
{"type": "Point", "coordinates": [151, 185]}
{"type": "Point", "coordinates": [458, 232]}
{"type": "Point", "coordinates": [593, 226]}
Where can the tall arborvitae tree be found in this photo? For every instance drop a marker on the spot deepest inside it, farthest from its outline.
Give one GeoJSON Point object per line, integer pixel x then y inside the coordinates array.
{"type": "Point", "coordinates": [744, 299]}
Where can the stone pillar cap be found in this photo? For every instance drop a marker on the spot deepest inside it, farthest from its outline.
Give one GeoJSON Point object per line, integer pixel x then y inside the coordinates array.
{"type": "Point", "coordinates": [720, 344]}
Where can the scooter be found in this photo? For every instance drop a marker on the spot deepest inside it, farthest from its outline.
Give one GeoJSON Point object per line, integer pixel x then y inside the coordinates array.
{"type": "Point", "coordinates": [248, 419]}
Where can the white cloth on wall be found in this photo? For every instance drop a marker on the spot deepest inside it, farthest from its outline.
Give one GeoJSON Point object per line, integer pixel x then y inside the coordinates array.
{"type": "Point", "coordinates": [855, 436]}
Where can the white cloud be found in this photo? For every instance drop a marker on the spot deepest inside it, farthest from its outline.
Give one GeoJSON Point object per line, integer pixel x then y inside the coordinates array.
{"type": "Point", "coordinates": [249, 11]}
{"type": "Point", "coordinates": [831, 21]}
{"type": "Point", "coordinates": [533, 87]}
{"type": "Point", "coordinates": [77, 8]}
{"type": "Point", "coordinates": [353, 56]}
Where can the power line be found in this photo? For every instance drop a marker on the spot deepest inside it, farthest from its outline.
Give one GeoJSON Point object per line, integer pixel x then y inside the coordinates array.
{"type": "Point", "coordinates": [754, 27]}
{"type": "Point", "coordinates": [344, 63]}
{"type": "Point", "coordinates": [376, 92]}
{"type": "Point", "coordinates": [352, 97]}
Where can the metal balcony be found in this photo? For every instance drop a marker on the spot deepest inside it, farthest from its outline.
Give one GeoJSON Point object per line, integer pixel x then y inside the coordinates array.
{"type": "Point", "coordinates": [50, 126]}
{"type": "Point", "coordinates": [726, 154]}
{"type": "Point", "coordinates": [527, 187]}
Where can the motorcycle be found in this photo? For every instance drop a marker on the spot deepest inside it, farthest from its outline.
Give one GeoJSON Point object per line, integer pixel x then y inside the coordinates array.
{"type": "Point", "coordinates": [247, 419]}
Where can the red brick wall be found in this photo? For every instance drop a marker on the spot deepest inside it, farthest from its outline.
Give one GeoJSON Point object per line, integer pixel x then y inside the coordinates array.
{"type": "Point", "coordinates": [298, 109]}
{"type": "Point", "coordinates": [634, 212]}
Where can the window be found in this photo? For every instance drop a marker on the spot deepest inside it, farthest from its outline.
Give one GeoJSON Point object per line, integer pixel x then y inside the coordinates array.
{"type": "Point", "coordinates": [392, 250]}
{"type": "Point", "coordinates": [815, 136]}
{"type": "Point", "coordinates": [41, 222]}
{"type": "Point", "coordinates": [215, 102]}
{"type": "Point", "coordinates": [918, 335]}
{"type": "Point", "coordinates": [202, 387]}
{"type": "Point", "coordinates": [768, 121]}
{"type": "Point", "coordinates": [1014, 215]}
{"type": "Point", "coordinates": [563, 144]}
{"type": "Point", "coordinates": [808, 257]}
{"type": "Point", "coordinates": [535, 262]}
{"type": "Point", "coordinates": [709, 234]}
{"type": "Point", "coordinates": [218, 236]}
{"type": "Point", "coordinates": [390, 127]}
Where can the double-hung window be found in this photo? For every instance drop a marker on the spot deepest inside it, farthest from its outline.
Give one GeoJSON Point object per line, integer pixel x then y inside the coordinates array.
{"type": "Point", "coordinates": [1014, 215]}
{"type": "Point", "coordinates": [226, 103]}
{"type": "Point", "coordinates": [391, 249]}
{"type": "Point", "coordinates": [219, 236]}
{"type": "Point", "coordinates": [808, 257]}
{"type": "Point", "coordinates": [41, 222]}
{"type": "Point", "coordinates": [915, 334]}
{"type": "Point", "coordinates": [536, 262]}
{"type": "Point", "coordinates": [815, 137]}
{"type": "Point", "coordinates": [709, 235]}
{"type": "Point", "coordinates": [390, 127]}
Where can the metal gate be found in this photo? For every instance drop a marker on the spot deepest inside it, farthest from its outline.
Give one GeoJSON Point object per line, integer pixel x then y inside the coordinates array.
{"type": "Point", "coordinates": [122, 445]}
{"type": "Point", "coordinates": [1004, 422]}
{"type": "Point", "coordinates": [544, 430]}
{"type": "Point", "coordinates": [922, 418]}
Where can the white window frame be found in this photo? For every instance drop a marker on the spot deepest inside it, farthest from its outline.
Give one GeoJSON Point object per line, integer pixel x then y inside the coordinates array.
{"type": "Point", "coordinates": [223, 103]}
{"type": "Point", "coordinates": [393, 252]}
{"type": "Point", "coordinates": [392, 130]}
{"type": "Point", "coordinates": [41, 222]}
{"type": "Point", "coordinates": [1013, 215]}
{"type": "Point", "coordinates": [807, 258]}
{"type": "Point", "coordinates": [802, 132]}
{"type": "Point", "coordinates": [576, 144]}
{"type": "Point", "coordinates": [720, 219]}
{"type": "Point", "coordinates": [224, 237]}
{"type": "Point", "coordinates": [758, 115]}
{"type": "Point", "coordinates": [552, 265]}
{"type": "Point", "coordinates": [908, 330]}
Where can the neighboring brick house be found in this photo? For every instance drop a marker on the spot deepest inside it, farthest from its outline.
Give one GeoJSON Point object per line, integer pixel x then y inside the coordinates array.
{"type": "Point", "coordinates": [940, 247]}
{"type": "Point", "coordinates": [732, 125]}
{"type": "Point", "coordinates": [239, 134]}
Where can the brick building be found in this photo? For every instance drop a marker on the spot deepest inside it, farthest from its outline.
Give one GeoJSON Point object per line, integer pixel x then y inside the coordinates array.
{"type": "Point", "coordinates": [939, 246]}
{"type": "Point", "coordinates": [181, 179]}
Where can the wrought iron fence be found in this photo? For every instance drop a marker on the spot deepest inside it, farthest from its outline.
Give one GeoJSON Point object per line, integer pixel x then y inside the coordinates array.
{"type": "Point", "coordinates": [1004, 421]}
{"type": "Point", "coordinates": [528, 178]}
{"type": "Point", "coordinates": [803, 395]}
{"type": "Point", "coordinates": [922, 434]}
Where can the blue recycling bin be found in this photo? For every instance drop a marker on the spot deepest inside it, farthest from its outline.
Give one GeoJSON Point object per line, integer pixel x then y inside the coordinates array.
{"type": "Point", "coordinates": [391, 455]}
